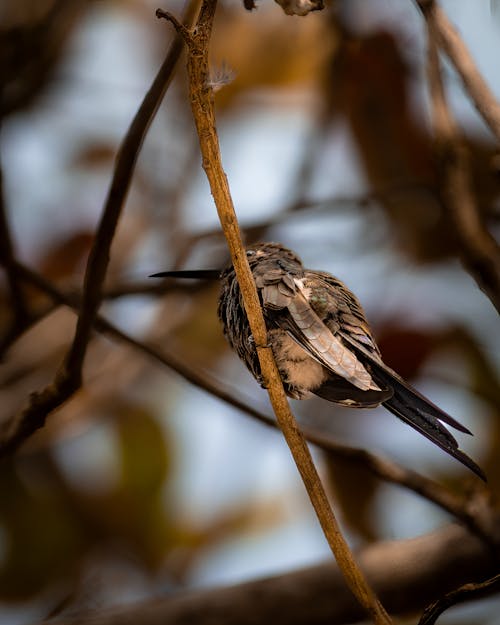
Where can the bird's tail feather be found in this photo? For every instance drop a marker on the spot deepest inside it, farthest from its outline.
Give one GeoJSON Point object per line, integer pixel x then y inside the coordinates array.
{"type": "Point", "coordinates": [421, 404]}
{"type": "Point", "coordinates": [432, 429]}
{"type": "Point", "coordinates": [389, 378]}
{"type": "Point", "coordinates": [415, 409]}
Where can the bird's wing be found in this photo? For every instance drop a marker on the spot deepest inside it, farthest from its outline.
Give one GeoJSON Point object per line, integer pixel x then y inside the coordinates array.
{"type": "Point", "coordinates": [345, 315]}
{"type": "Point", "coordinates": [317, 339]}
{"type": "Point", "coordinates": [340, 310]}
{"type": "Point", "coordinates": [351, 325]}
{"type": "Point", "coordinates": [282, 292]}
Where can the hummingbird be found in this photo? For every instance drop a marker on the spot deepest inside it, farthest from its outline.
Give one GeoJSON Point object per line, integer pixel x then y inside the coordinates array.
{"type": "Point", "coordinates": [322, 342]}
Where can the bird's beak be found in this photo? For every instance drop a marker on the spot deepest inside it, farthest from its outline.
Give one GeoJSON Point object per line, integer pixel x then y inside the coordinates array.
{"type": "Point", "coordinates": [190, 274]}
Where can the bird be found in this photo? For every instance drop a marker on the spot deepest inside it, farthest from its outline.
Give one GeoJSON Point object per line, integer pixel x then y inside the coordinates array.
{"type": "Point", "coordinates": [322, 342]}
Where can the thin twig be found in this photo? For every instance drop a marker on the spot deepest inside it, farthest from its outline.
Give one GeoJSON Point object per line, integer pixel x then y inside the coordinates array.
{"type": "Point", "coordinates": [479, 251]}
{"type": "Point", "coordinates": [467, 592]}
{"type": "Point", "coordinates": [69, 375]}
{"type": "Point", "coordinates": [454, 47]}
{"type": "Point", "coordinates": [113, 292]}
{"type": "Point", "coordinates": [201, 98]}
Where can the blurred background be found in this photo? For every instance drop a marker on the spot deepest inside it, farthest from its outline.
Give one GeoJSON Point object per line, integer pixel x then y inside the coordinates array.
{"type": "Point", "coordinates": [144, 484]}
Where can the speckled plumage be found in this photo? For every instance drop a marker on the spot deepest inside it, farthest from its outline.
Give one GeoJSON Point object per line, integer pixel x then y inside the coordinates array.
{"type": "Point", "coordinates": [322, 342]}
{"type": "Point", "coordinates": [311, 359]}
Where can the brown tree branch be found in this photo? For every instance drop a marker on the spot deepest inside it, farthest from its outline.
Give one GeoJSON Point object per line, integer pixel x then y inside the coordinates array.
{"type": "Point", "coordinates": [467, 592]}
{"type": "Point", "coordinates": [407, 575]}
{"type": "Point", "coordinates": [454, 47]}
{"type": "Point", "coordinates": [480, 253]}
{"type": "Point", "coordinates": [68, 378]}
{"type": "Point", "coordinates": [201, 98]}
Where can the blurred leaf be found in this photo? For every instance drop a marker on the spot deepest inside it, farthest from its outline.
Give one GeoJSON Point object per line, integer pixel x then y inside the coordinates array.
{"type": "Point", "coordinates": [199, 334]}
{"type": "Point", "coordinates": [274, 51]}
{"type": "Point", "coordinates": [372, 86]}
{"type": "Point", "coordinates": [97, 154]}
{"type": "Point", "coordinates": [133, 512]}
{"type": "Point", "coordinates": [49, 525]}
{"type": "Point", "coordinates": [405, 349]}
{"type": "Point", "coordinates": [67, 256]}
{"type": "Point", "coordinates": [355, 489]}
{"type": "Point", "coordinates": [43, 538]}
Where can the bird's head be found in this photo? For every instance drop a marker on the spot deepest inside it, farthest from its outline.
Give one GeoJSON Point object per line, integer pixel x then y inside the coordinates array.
{"type": "Point", "coordinates": [270, 250]}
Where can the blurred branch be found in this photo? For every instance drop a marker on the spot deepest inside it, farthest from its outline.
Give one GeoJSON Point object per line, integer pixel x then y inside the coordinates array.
{"type": "Point", "coordinates": [327, 205]}
{"type": "Point", "coordinates": [201, 100]}
{"type": "Point", "coordinates": [468, 592]}
{"type": "Point", "coordinates": [420, 570]}
{"type": "Point", "coordinates": [114, 292]}
{"type": "Point", "coordinates": [480, 252]}
{"type": "Point", "coordinates": [20, 310]}
{"type": "Point", "coordinates": [256, 230]}
{"type": "Point", "coordinates": [452, 44]}
{"type": "Point", "coordinates": [31, 50]}
{"type": "Point", "coordinates": [68, 378]}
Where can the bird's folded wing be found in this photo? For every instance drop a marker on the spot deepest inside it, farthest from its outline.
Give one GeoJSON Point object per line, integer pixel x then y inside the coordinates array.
{"type": "Point", "coordinates": [313, 335]}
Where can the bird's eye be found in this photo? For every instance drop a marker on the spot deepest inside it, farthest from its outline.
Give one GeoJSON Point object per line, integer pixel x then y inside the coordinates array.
{"type": "Point", "coordinates": [250, 252]}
